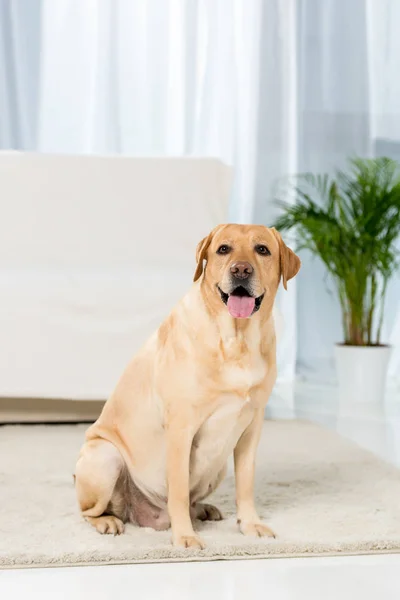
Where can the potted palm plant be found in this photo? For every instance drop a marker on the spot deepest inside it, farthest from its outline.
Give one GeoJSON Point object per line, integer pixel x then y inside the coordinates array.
{"type": "Point", "coordinates": [351, 221]}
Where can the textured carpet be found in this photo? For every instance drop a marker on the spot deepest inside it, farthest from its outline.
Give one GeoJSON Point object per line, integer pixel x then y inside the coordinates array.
{"type": "Point", "coordinates": [320, 494]}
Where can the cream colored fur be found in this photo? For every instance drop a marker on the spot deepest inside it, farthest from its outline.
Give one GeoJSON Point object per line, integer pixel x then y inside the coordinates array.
{"type": "Point", "coordinates": [192, 396]}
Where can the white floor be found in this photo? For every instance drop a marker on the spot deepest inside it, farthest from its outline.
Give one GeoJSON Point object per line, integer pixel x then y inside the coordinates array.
{"type": "Point", "coordinates": [358, 577]}
{"type": "Point", "coordinates": [375, 428]}
{"type": "Point", "coordinates": [354, 578]}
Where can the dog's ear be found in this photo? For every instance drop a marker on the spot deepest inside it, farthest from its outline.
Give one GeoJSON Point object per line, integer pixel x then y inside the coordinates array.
{"type": "Point", "coordinates": [201, 251]}
{"type": "Point", "coordinates": [201, 254]}
{"type": "Point", "coordinates": [289, 261]}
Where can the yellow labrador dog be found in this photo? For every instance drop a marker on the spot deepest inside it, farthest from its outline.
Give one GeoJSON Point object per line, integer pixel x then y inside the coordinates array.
{"type": "Point", "coordinates": [194, 394]}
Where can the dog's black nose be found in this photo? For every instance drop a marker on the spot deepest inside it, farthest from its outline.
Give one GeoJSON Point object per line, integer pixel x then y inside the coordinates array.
{"type": "Point", "coordinates": [241, 269]}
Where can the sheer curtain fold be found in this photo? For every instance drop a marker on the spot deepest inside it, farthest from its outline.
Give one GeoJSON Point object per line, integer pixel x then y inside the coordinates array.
{"type": "Point", "coordinates": [151, 76]}
{"type": "Point", "coordinates": [349, 104]}
{"type": "Point", "coordinates": [20, 45]}
{"type": "Point", "coordinates": [273, 87]}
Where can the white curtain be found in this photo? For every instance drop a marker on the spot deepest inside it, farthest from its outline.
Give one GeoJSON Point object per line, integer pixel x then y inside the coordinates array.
{"type": "Point", "coordinates": [349, 104]}
{"type": "Point", "coordinates": [147, 77]}
{"type": "Point", "coordinates": [271, 86]}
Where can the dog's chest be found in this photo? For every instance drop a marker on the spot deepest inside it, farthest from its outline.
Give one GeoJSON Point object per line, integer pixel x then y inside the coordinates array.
{"type": "Point", "coordinates": [234, 410]}
{"type": "Point", "coordinates": [240, 377]}
{"type": "Point", "coordinates": [218, 436]}
{"type": "Point", "coordinates": [242, 367]}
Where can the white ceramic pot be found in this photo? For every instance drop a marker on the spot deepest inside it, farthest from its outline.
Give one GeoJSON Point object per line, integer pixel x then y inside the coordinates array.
{"type": "Point", "coordinates": [362, 372]}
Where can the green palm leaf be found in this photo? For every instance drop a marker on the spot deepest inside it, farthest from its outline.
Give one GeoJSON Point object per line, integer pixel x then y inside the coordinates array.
{"type": "Point", "coordinates": [351, 220]}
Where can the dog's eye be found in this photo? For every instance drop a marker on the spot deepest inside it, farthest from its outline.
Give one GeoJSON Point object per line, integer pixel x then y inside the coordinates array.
{"type": "Point", "coordinates": [224, 249]}
{"type": "Point", "coordinates": [260, 249]}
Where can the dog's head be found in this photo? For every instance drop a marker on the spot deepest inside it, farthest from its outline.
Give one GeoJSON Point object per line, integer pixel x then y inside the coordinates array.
{"type": "Point", "coordinates": [244, 265]}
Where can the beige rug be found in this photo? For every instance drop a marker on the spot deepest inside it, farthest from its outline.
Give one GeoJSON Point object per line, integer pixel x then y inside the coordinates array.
{"type": "Point", "coordinates": [320, 493]}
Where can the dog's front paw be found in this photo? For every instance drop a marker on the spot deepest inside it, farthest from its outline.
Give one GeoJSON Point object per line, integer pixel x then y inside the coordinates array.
{"type": "Point", "coordinates": [255, 529]}
{"type": "Point", "coordinates": [189, 541]}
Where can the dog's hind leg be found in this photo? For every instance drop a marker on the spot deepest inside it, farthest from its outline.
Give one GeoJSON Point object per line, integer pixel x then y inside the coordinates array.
{"type": "Point", "coordinates": [202, 511]}
{"type": "Point", "coordinates": [205, 512]}
{"type": "Point", "coordinates": [97, 471]}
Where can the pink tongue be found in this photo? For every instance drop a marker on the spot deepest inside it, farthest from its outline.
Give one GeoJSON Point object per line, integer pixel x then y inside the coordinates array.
{"type": "Point", "coordinates": [241, 307]}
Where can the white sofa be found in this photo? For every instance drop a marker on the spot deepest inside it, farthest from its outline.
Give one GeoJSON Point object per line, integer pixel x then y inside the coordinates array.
{"type": "Point", "coordinates": [94, 252]}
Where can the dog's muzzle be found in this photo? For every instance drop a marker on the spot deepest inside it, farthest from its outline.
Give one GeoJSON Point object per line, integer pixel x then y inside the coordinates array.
{"type": "Point", "coordinates": [241, 303]}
